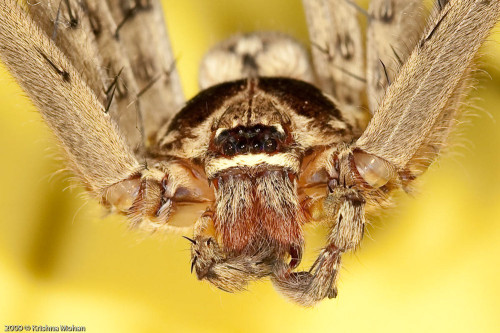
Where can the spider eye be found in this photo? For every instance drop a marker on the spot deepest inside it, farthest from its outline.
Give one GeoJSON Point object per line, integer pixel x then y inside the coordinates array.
{"type": "Point", "coordinates": [229, 149]}
{"type": "Point", "coordinates": [242, 146]}
{"type": "Point", "coordinates": [374, 170]}
{"type": "Point", "coordinates": [221, 137]}
{"type": "Point", "coordinates": [270, 145]}
{"type": "Point", "coordinates": [243, 140]}
{"type": "Point", "coordinates": [258, 128]}
{"type": "Point", "coordinates": [257, 146]}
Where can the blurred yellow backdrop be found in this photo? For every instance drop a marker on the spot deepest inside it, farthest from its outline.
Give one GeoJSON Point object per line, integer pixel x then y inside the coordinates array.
{"type": "Point", "coordinates": [430, 265]}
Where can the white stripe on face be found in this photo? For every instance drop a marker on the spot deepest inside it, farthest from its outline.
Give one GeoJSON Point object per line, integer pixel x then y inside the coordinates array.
{"type": "Point", "coordinates": [282, 160]}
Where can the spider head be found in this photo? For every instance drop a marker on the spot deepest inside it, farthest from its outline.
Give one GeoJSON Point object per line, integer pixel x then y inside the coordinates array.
{"type": "Point", "coordinates": [253, 163]}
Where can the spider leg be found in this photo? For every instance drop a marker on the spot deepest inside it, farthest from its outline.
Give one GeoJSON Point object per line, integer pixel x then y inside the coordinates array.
{"type": "Point", "coordinates": [421, 105]}
{"type": "Point", "coordinates": [69, 28]}
{"type": "Point", "coordinates": [344, 210]}
{"type": "Point", "coordinates": [134, 32]}
{"type": "Point", "coordinates": [403, 138]}
{"type": "Point", "coordinates": [226, 271]}
{"type": "Point", "coordinates": [120, 45]}
{"type": "Point", "coordinates": [96, 151]}
{"type": "Point", "coordinates": [338, 55]}
{"type": "Point", "coordinates": [392, 32]}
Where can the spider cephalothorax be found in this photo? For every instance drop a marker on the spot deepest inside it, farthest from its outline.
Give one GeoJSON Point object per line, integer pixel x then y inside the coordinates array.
{"type": "Point", "coordinates": [252, 151]}
{"type": "Point", "coordinates": [260, 151]}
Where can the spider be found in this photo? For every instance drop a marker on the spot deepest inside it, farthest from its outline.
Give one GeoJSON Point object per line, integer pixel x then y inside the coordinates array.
{"type": "Point", "coordinates": [270, 143]}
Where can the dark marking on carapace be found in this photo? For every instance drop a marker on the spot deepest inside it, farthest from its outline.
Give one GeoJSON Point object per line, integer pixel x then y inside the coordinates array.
{"type": "Point", "coordinates": [302, 97]}
{"type": "Point", "coordinates": [205, 103]}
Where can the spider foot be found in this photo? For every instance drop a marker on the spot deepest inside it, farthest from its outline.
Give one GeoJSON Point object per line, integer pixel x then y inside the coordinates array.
{"type": "Point", "coordinates": [227, 271]}
{"type": "Point", "coordinates": [308, 288]}
{"type": "Point", "coordinates": [145, 198]}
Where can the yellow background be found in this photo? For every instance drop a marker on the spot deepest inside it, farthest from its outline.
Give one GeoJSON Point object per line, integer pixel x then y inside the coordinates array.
{"type": "Point", "coordinates": [432, 264]}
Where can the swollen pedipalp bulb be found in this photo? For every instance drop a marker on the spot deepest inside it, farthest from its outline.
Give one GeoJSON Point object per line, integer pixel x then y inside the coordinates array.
{"type": "Point", "coordinates": [375, 170]}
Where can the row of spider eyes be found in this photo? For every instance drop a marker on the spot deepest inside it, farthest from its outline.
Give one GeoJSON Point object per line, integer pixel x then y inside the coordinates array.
{"type": "Point", "coordinates": [243, 146]}
{"type": "Point", "coordinates": [255, 139]}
